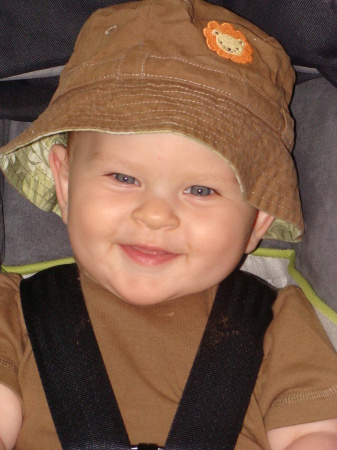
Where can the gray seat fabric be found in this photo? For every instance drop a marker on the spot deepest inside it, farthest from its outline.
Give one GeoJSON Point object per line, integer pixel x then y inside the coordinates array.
{"type": "Point", "coordinates": [315, 103]}
{"type": "Point", "coordinates": [31, 235]}
{"type": "Point", "coordinates": [28, 235]}
{"type": "Point", "coordinates": [315, 112]}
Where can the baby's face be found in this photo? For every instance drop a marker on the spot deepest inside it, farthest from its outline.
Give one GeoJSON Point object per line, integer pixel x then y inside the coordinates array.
{"type": "Point", "coordinates": [154, 217]}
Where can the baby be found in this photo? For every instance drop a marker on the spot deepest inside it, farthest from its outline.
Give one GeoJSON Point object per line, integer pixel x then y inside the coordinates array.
{"type": "Point", "coordinates": [166, 150]}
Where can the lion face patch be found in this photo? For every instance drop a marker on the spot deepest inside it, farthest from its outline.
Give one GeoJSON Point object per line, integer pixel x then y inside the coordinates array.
{"type": "Point", "coordinates": [228, 42]}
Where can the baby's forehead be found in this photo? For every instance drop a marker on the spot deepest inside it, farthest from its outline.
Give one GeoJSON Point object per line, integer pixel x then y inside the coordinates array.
{"type": "Point", "coordinates": [162, 146]}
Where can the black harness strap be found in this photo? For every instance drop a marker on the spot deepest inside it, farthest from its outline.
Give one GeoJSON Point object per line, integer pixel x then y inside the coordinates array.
{"type": "Point", "coordinates": [77, 387]}
{"type": "Point", "coordinates": [73, 375]}
{"type": "Point", "coordinates": [224, 373]}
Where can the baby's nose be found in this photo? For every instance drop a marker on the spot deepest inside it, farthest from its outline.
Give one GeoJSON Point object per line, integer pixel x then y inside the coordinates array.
{"type": "Point", "coordinates": [156, 213]}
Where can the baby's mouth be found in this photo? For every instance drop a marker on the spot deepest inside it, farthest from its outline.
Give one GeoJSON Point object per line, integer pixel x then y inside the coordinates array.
{"type": "Point", "coordinates": [148, 255]}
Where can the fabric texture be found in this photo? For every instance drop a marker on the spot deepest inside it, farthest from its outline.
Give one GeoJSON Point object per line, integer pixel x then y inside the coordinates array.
{"type": "Point", "coordinates": [155, 348]}
{"type": "Point", "coordinates": [315, 112]}
{"type": "Point", "coordinates": [307, 30]}
{"type": "Point", "coordinates": [316, 159]}
{"type": "Point", "coordinates": [24, 100]}
{"type": "Point", "coordinates": [28, 235]}
{"type": "Point", "coordinates": [34, 37]}
{"type": "Point", "coordinates": [120, 85]}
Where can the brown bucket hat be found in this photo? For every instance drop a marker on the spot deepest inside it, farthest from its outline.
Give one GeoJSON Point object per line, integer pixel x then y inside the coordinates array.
{"type": "Point", "coordinates": [183, 66]}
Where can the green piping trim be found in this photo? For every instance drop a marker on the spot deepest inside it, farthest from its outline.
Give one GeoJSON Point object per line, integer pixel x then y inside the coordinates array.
{"type": "Point", "coordinates": [313, 298]}
{"type": "Point", "coordinates": [29, 269]}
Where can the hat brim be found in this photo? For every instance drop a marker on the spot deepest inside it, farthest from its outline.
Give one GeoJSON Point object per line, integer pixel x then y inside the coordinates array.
{"type": "Point", "coordinates": [262, 162]}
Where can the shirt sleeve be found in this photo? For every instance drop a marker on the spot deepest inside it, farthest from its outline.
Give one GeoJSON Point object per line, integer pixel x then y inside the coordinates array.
{"type": "Point", "coordinates": [298, 377]}
{"type": "Point", "coordinates": [12, 337]}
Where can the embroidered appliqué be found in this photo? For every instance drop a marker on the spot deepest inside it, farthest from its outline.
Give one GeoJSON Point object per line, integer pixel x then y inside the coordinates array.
{"type": "Point", "coordinates": [228, 42]}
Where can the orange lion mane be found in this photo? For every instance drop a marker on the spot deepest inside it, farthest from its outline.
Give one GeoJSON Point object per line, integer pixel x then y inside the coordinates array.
{"type": "Point", "coordinates": [227, 29]}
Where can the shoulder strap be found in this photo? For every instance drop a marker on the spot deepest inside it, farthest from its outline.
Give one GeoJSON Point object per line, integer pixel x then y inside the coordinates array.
{"type": "Point", "coordinates": [70, 363]}
{"type": "Point", "coordinates": [71, 366]}
{"type": "Point", "coordinates": [225, 370]}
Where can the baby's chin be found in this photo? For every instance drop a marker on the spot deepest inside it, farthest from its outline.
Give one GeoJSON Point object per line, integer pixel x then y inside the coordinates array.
{"type": "Point", "coordinates": [143, 297]}
{"type": "Point", "coordinates": [140, 296]}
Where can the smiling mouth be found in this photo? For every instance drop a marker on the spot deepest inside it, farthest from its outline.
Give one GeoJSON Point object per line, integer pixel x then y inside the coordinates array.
{"type": "Point", "coordinates": [148, 255]}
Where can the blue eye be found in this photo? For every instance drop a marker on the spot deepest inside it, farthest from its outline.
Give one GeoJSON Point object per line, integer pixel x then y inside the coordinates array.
{"type": "Point", "coordinates": [126, 179]}
{"type": "Point", "coordinates": [199, 191]}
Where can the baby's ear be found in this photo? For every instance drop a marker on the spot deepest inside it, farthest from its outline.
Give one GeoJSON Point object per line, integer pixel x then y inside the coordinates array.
{"type": "Point", "coordinates": [58, 161]}
{"type": "Point", "coordinates": [262, 222]}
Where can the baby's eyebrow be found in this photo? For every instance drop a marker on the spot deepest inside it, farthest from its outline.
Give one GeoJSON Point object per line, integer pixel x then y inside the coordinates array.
{"type": "Point", "coordinates": [96, 154]}
{"type": "Point", "coordinates": [105, 156]}
{"type": "Point", "coordinates": [231, 179]}
{"type": "Point", "coordinates": [99, 154]}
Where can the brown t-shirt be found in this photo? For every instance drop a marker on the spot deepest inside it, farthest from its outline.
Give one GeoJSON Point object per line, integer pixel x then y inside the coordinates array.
{"type": "Point", "coordinates": [148, 352]}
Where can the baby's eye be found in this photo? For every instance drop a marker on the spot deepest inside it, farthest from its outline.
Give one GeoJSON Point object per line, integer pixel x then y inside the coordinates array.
{"type": "Point", "coordinates": [199, 191]}
{"type": "Point", "coordinates": [126, 179]}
